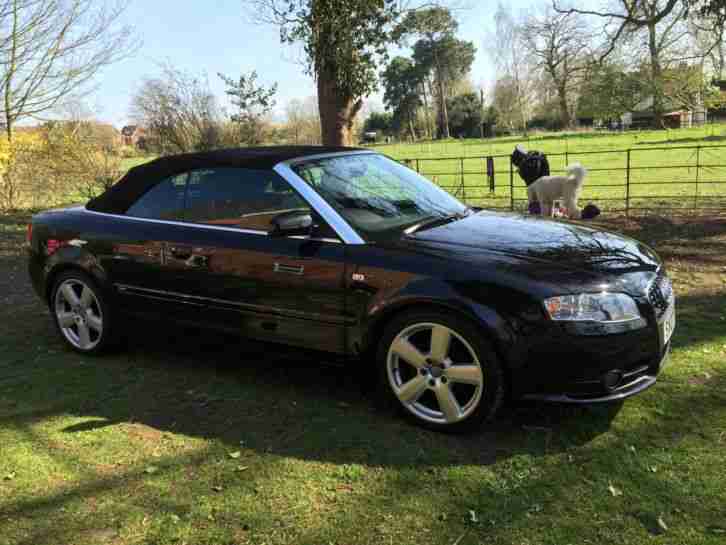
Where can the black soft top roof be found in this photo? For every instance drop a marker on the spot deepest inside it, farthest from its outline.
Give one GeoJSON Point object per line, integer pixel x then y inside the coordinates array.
{"type": "Point", "coordinates": [139, 179]}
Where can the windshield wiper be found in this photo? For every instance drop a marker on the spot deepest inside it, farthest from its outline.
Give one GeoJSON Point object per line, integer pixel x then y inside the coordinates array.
{"type": "Point", "coordinates": [433, 222]}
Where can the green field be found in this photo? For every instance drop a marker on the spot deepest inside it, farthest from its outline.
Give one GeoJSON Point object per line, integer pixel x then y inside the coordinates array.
{"type": "Point", "coordinates": [196, 438]}
{"type": "Point", "coordinates": [685, 176]}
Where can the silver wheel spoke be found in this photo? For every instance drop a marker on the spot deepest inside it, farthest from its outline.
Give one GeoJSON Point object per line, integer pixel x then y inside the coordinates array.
{"type": "Point", "coordinates": [440, 341]}
{"type": "Point", "coordinates": [69, 295]}
{"type": "Point", "coordinates": [86, 297]}
{"type": "Point", "coordinates": [82, 327]}
{"type": "Point", "coordinates": [468, 374]}
{"type": "Point", "coordinates": [436, 372]}
{"type": "Point", "coordinates": [84, 336]}
{"type": "Point", "coordinates": [94, 322]}
{"type": "Point", "coordinates": [413, 389]}
{"type": "Point", "coordinates": [65, 319]}
{"type": "Point", "coordinates": [404, 349]}
{"type": "Point", "coordinates": [448, 404]}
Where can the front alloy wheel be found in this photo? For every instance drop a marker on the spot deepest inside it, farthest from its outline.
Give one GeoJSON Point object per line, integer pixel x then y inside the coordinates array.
{"type": "Point", "coordinates": [441, 371]}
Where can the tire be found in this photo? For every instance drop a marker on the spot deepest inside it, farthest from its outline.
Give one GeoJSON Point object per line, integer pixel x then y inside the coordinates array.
{"type": "Point", "coordinates": [81, 313]}
{"type": "Point", "coordinates": [449, 386]}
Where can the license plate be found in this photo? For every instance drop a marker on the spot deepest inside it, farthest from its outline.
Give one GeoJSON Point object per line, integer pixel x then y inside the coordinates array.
{"type": "Point", "coordinates": [669, 324]}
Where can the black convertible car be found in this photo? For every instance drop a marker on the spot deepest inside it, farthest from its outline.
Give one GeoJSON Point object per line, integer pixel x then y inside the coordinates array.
{"type": "Point", "coordinates": [346, 251]}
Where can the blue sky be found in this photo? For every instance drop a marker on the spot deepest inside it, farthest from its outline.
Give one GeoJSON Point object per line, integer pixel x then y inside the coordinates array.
{"type": "Point", "coordinates": [215, 36]}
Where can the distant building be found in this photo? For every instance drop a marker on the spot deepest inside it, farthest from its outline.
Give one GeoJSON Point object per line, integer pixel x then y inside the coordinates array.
{"type": "Point", "coordinates": [673, 117]}
{"type": "Point", "coordinates": [133, 135]}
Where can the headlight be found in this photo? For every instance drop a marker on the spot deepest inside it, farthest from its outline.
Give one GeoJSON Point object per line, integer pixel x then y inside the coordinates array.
{"type": "Point", "coordinates": [604, 312]}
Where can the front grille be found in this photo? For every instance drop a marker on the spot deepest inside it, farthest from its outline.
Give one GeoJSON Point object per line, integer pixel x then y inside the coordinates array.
{"type": "Point", "coordinates": [660, 294]}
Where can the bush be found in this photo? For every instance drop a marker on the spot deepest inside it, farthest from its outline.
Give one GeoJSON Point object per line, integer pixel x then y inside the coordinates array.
{"type": "Point", "coordinates": [54, 165]}
{"type": "Point", "coordinates": [128, 152]}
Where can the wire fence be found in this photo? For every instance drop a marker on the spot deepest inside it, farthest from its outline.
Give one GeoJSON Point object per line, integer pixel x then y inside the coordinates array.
{"type": "Point", "coordinates": [684, 179]}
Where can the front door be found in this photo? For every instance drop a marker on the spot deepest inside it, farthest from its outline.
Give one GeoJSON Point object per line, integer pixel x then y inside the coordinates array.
{"type": "Point", "coordinates": [283, 289]}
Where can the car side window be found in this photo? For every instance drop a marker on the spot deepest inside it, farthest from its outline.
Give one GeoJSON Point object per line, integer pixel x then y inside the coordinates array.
{"type": "Point", "coordinates": [237, 197]}
{"type": "Point", "coordinates": [164, 201]}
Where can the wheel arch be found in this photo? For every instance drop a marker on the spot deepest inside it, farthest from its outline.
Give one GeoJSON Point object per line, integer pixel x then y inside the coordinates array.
{"type": "Point", "coordinates": [66, 266]}
{"type": "Point", "coordinates": [494, 327]}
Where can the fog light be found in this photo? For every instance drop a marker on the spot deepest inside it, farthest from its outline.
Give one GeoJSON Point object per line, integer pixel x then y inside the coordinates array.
{"type": "Point", "coordinates": [612, 380]}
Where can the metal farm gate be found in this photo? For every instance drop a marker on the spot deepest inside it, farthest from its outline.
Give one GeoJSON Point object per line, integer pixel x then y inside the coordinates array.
{"type": "Point", "coordinates": [682, 179]}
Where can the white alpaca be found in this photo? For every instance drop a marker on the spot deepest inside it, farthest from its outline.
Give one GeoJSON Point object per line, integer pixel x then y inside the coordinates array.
{"type": "Point", "coordinates": [548, 189]}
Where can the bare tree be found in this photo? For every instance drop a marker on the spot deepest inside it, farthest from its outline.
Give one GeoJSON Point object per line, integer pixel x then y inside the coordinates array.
{"type": "Point", "coordinates": [303, 121]}
{"type": "Point", "coordinates": [295, 119]}
{"type": "Point", "coordinates": [513, 65]}
{"type": "Point", "coordinates": [657, 26]}
{"type": "Point", "coordinates": [710, 37]}
{"type": "Point", "coordinates": [52, 49]}
{"type": "Point", "coordinates": [559, 43]}
{"type": "Point", "coordinates": [178, 111]}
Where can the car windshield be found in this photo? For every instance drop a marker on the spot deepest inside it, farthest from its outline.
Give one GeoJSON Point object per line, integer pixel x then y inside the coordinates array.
{"type": "Point", "coordinates": [379, 197]}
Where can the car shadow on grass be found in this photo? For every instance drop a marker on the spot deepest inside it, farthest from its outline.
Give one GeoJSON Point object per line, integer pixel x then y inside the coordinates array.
{"type": "Point", "coordinates": [282, 400]}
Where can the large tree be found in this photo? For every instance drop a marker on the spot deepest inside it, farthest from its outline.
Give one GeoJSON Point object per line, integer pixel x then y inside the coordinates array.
{"type": "Point", "coordinates": [559, 44]}
{"type": "Point", "coordinates": [341, 40]}
{"type": "Point", "coordinates": [438, 51]}
{"type": "Point", "coordinates": [401, 81]}
{"type": "Point", "coordinates": [450, 60]}
{"type": "Point", "coordinates": [51, 50]}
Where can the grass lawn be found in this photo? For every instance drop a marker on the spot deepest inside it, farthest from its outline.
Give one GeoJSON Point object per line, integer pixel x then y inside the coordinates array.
{"type": "Point", "coordinates": [205, 439]}
{"type": "Point", "coordinates": [604, 156]}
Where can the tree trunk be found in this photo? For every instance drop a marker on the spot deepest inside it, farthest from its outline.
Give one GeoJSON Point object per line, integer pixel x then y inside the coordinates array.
{"type": "Point", "coordinates": [337, 112]}
{"type": "Point", "coordinates": [564, 108]}
{"type": "Point", "coordinates": [443, 113]}
{"type": "Point", "coordinates": [8, 91]}
{"type": "Point", "coordinates": [656, 75]}
{"type": "Point", "coordinates": [427, 112]}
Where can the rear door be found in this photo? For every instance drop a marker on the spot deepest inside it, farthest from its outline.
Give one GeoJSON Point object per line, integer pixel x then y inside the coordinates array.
{"type": "Point", "coordinates": [136, 258]}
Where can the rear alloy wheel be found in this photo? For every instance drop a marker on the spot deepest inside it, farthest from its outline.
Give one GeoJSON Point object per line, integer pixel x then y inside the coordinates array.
{"type": "Point", "coordinates": [81, 316]}
{"type": "Point", "coordinates": [440, 371]}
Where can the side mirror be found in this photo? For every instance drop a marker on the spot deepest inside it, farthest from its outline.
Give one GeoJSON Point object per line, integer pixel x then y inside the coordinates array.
{"type": "Point", "coordinates": [295, 222]}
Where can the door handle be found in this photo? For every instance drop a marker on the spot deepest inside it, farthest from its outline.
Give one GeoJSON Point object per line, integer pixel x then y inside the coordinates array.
{"type": "Point", "coordinates": [197, 260]}
{"type": "Point", "coordinates": [180, 253]}
{"type": "Point", "coordinates": [289, 269]}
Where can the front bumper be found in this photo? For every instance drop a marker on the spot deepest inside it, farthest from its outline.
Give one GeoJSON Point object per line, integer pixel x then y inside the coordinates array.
{"type": "Point", "coordinates": [595, 391]}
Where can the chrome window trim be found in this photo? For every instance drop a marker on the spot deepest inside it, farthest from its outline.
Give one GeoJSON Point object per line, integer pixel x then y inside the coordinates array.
{"type": "Point", "coordinates": [206, 226]}
{"type": "Point", "coordinates": [343, 229]}
{"type": "Point", "coordinates": [181, 223]}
